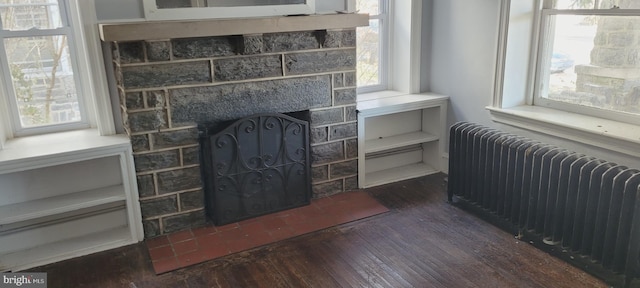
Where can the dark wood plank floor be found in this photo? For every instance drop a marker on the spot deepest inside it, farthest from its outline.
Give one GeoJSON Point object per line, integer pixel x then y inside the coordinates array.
{"type": "Point", "coordinates": [422, 242]}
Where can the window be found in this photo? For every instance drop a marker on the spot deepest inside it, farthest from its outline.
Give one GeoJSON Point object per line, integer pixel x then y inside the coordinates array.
{"type": "Point", "coordinates": [588, 58]}
{"type": "Point", "coordinates": [41, 83]}
{"type": "Point", "coordinates": [528, 35]}
{"type": "Point", "coordinates": [372, 46]}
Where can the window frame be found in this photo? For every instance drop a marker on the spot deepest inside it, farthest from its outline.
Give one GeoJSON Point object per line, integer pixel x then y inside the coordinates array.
{"type": "Point", "coordinates": [543, 43]}
{"type": "Point", "coordinates": [512, 104]}
{"type": "Point", "coordinates": [90, 64]}
{"type": "Point", "coordinates": [66, 30]}
{"type": "Point", "coordinates": [383, 48]}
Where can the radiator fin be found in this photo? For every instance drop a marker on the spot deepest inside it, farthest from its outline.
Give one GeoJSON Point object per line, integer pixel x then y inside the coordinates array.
{"type": "Point", "coordinates": [580, 208]}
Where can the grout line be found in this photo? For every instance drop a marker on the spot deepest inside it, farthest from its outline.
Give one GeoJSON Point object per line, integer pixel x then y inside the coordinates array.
{"type": "Point", "coordinates": [252, 80]}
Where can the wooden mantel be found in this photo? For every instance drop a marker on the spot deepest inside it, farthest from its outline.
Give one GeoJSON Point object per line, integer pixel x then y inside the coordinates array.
{"type": "Point", "coordinates": [161, 30]}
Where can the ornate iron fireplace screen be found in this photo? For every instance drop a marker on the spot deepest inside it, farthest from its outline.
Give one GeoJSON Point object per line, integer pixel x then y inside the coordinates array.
{"type": "Point", "coordinates": [255, 166]}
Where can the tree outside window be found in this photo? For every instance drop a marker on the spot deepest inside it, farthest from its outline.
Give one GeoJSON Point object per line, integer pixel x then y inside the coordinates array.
{"type": "Point", "coordinates": [38, 59]}
{"type": "Point", "coordinates": [370, 45]}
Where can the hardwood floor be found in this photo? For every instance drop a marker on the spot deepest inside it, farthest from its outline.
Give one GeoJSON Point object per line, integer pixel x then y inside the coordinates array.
{"type": "Point", "coordinates": [421, 242]}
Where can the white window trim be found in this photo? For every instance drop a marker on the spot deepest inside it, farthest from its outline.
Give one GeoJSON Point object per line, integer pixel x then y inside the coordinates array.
{"type": "Point", "coordinates": [405, 59]}
{"type": "Point", "coordinates": [92, 74]}
{"type": "Point", "coordinates": [512, 105]}
{"type": "Point", "coordinates": [543, 73]}
{"type": "Point", "coordinates": [403, 68]}
{"type": "Point", "coordinates": [65, 31]}
{"type": "Point", "coordinates": [92, 61]}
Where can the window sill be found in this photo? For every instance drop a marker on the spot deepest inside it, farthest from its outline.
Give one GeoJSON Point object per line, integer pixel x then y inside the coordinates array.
{"type": "Point", "coordinates": [57, 148]}
{"type": "Point", "coordinates": [611, 135]}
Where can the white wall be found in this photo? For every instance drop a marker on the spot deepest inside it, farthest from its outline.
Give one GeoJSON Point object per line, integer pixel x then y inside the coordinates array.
{"type": "Point", "coordinates": [463, 56]}
{"type": "Point", "coordinates": [464, 37]}
{"type": "Point", "coordinates": [425, 43]}
{"type": "Point", "coordinates": [132, 9]}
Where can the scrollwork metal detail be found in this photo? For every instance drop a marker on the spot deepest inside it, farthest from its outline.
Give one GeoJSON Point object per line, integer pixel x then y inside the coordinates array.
{"type": "Point", "coordinates": [261, 165]}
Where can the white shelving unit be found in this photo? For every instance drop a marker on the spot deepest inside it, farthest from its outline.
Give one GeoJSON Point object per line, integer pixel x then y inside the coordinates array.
{"type": "Point", "coordinates": [65, 195]}
{"type": "Point", "coordinates": [400, 136]}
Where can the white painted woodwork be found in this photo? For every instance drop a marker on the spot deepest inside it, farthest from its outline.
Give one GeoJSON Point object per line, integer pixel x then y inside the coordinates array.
{"type": "Point", "coordinates": [3, 134]}
{"type": "Point", "coordinates": [89, 73]}
{"type": "Point", "coordinates": [67, 249]}
{"type": "Point", "coordinates": [26, 239]}
{"type": "Point", "coordinates": [603, 133]}
{"type": "Point", "coordinates": [42, 150]}
{"type": "Point", "coordinates": [53, 181]}
{"type": "Point", "coordinates": [90, 58]}
{"type": "Point", "coordinates": [45, 207]}
{"type": "Point", "coordinates": [399, 136]}
{"type": "Point", "coordinates": [397, 141]}
{"type": "Point", "coordinates": [64, 195]}
{"type": "Point", "coordinates": [406, 46]}
{"type": "Point", "coordinates": [161, 30]}
{"type": "Point", "coordinates": [392, 161]}
{"type": "Point", "coordinates": [404, 172]}
{"type": "Point", "coordinates": [393, 124]}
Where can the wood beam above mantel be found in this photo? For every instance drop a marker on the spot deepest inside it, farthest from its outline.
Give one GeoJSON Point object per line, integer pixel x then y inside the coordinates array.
{"type": "Point", "coordinates": [160, 30]}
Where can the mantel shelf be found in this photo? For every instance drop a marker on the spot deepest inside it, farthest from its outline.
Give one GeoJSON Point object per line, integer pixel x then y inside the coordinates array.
{"type": "Point", "coordinates": [160, 30]}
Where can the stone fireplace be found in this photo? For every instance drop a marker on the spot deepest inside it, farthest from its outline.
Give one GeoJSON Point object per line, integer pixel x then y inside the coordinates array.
{"type": "Point", "coordinates": [168, 86]}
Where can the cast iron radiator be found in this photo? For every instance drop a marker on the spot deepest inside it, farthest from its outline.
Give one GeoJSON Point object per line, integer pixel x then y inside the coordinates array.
{"type": "Point", "coordinates": [582, 209]}
{"type": "Point", "coordinates": [255, 166]}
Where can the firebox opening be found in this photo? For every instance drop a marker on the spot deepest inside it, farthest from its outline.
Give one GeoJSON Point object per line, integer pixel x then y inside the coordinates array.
{"type": "Point", "coordinates": [255, 165]}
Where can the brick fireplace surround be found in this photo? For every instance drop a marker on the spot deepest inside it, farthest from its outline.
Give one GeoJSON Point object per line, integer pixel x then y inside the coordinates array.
{"type": "Point", "coordinates": [167, 86]}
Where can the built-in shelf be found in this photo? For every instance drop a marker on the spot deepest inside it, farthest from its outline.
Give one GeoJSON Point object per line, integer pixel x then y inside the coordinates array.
{"type": "Point", "coordinates": [64, 195]}
{"type": "Point", "coordinates": [390, 102]}
{"type": "Point", "coordinates": [399, 136]}
{"type": "Point", "coordinates": [51, 206]}
{"type": "Point", "coordinates": [399, 173]}
{"type": "Point", "coordinates": [397, 141]}
{"type": "Point", "coordinates": [66, 249]}
{"type": "Point", "coordinates": [38, 151]}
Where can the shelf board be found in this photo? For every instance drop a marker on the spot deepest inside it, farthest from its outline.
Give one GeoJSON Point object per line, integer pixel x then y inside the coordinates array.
{"type": "Point", "coordinates": [397, 141]}
{"type": "Point", "coordinates": [41, 208]}
{"type": "Point", "coordinates": [66, 249]}
{"type": "Point", "coordinates": [398, 174]}
{"type": "Point", "coordinates": [387, 104]}
{"type": "Point", "coordinates": [30, 152]}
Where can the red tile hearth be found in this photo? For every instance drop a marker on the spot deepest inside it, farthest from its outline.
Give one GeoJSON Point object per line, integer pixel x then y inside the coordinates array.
{"type": "Point", "coordinates": [185, 248]}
